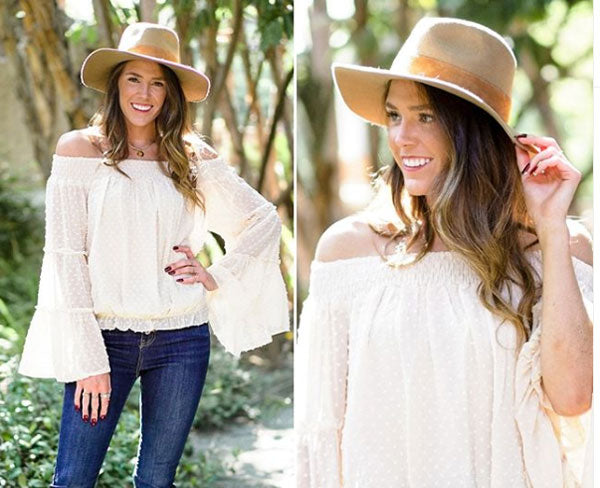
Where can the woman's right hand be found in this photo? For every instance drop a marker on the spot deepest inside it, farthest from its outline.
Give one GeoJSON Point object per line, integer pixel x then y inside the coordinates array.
{"type": "Point", "coordinates": [96, 385]}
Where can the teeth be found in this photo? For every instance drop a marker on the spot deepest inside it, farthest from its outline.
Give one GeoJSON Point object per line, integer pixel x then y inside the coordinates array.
{"type": "Point", "coordinates": [415, 162]}
{"type": "Point", "coordinates": [143, 108]}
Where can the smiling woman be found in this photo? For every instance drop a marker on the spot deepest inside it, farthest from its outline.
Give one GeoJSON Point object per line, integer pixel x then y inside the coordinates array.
{"type": "Point", "coordinates": [445, 344]}
{"type": "Point", "coordinates": [129, 203]}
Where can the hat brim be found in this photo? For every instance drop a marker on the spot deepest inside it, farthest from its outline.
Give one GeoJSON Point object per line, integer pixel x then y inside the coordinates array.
{"type": "Point", "coordinates": [97, 67]}
{"type": "Point", "coordinates": [363, 91]}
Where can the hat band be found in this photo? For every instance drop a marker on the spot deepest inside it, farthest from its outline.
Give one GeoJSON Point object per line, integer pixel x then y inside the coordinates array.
{"type": "Point", "coordinates": [490, 94]}
{"type": "Point", "coordinates": [154, 52]}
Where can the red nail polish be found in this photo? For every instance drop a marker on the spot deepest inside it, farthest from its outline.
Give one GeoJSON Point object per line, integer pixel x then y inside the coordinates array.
{"type": "Point", "coordinates": [85, 418]}
{"type": "Point", "coordinates": [525, 169]}
{"type": "Point", "coordinates": [77, 407]}
{"type": "Point", "coordinates": [175, 248]}
{"type": "Point", "coordinates": [94, 422]}
{"type": "Point", "coordinates": [180, 279]}
{"type": "Point", "coordinates": [520, 135]}
{"type": "Point", "coordinates": [172, 272]}
{"type": "Point", "coordinates": [168, 268]}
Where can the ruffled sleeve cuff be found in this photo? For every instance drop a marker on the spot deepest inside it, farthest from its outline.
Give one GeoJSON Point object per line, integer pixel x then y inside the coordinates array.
{"type": "Point", "coordinates": [64, 344]}
{"type": "Point", "coordinates": [553, 445]}
{"type": "Point", "coordinates": [250, 304]}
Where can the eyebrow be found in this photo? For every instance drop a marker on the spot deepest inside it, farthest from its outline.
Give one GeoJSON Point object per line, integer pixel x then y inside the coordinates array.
{"type": "Point", "coordinates": [140, 76]}
{"type": "Point", "coordinates": [411, 108]}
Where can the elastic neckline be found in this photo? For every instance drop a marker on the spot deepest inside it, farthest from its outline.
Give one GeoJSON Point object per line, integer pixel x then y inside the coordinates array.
{"type": "Point", "coordinates": [98, 158]}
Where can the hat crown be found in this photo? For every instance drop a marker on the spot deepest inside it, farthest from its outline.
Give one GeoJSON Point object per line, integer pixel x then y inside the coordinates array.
{"type": "Point", "coordinates": [151, 39]}
{"type": "Point", "coordinates": [460, 45]}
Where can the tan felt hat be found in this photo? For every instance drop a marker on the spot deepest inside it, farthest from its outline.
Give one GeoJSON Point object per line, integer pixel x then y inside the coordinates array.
{"type": "Point", "coordinates": [152, 42]}
{"type": "Point", "coordinates": [466, 59]}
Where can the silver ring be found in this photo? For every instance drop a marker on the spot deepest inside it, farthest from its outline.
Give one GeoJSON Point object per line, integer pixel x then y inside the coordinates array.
{"type": "Point", "coordinates": [104, 395]}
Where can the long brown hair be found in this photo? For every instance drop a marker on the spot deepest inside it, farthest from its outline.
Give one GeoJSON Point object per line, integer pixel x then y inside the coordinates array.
{"type": "Point", "coordinates": [478, 209]}
{"type": "Point", "coordinates": [175, 137]}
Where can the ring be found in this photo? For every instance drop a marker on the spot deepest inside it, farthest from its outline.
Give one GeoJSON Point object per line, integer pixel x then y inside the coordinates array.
{"type": "Point", "coordinates": [104, 395]}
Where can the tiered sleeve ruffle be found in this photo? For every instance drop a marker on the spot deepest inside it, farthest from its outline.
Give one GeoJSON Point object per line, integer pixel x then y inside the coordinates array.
{"type": "Point", "coordinates": [250, 304]}
{"type": "Point", "coordinates": [553, 446]}
{"type": "Point", "coordinates": [64, 340]}
{"type": "Point", "coordinates": [320, 384]}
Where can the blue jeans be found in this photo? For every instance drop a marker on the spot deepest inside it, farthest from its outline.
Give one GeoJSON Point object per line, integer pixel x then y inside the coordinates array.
{"type": "Point", "coordinates": [172, 367]}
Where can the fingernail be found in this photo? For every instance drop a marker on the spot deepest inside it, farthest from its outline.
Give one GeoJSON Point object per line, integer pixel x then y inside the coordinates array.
{"type": "Point", "coordinates": [94, 422]}
{"type": "Point", "coordinates": [168, 268]}
{"type": "Point", "coordinates": [85, 418]}
{"type": "Point", "coordinates": [172, 272]}
{"type": "Point", "coordinates": [77, 408]}
{"type": "Point", "coordinates": [521, 135]}
{"type": "Point", "coordinates": [525, 169]}
{"type": "Point", "coordinates": [180, 279]}
{"type": "Point", "coordinates": [175, 248]}
{"type": "Point", "coordinates": [102, 417]}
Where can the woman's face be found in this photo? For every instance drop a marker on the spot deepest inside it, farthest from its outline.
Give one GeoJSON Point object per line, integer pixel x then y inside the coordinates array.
{"type": "Point", "coordinates": [142, 91]}
{"type": "Point", "coordinates": [415, 136]}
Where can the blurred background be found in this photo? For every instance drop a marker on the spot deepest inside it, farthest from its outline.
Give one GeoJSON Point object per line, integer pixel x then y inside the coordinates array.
{"type": "Point", "coordinates": [337, 151]}
{"type": "Point", "coordinates": [242, 433]}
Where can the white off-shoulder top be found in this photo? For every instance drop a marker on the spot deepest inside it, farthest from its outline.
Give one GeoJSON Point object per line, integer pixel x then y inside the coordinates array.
{"type": "Point", "coordinates": [404, 380]}
{"type": "Point", "coordinates": [108, 240]}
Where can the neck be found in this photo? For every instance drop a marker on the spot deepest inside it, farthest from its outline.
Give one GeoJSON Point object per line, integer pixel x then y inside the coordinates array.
{"type": "Point", "coordinates": [141, 136]}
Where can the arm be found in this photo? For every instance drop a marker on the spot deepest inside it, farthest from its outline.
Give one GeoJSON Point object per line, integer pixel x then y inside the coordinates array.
{"type": "Point", "coordinates": [249, 303]}
{"type": "Point", "coordinates": [549, 183]}
{"type": "Point", "coordinates": [64, 341]}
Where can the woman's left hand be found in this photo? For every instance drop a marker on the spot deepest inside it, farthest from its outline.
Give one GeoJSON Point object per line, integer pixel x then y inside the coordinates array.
{"type": "Point", "coordinates": [549, 181]}
{"type": "Point", "coordinates": [191, 266]}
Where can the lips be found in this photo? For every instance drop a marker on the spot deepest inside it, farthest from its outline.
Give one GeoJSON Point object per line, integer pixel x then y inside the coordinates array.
{"type": "Point", "coordinates": [415, 162]}
{"type": "Point", "coordinates": [141, 107]}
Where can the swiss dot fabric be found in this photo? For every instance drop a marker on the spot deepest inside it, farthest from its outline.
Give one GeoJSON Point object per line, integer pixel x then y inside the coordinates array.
{"type": "Point", "coordinates": [108, 240]}
{"type": "Point", "coordinates": [404, 380]}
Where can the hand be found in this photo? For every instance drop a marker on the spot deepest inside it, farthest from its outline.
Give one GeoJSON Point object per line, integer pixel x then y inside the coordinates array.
{"type": "Point", "coordinates": [191, 266]}
{"type": "Point", "coordinates": [87, 394]}
{"type": "Point", "coordinates": [549, 181]}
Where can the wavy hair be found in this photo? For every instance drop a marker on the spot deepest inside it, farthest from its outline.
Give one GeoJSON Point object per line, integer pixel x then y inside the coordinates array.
{"type": "Point", "coordinates": [175, 136]}
{"type": "Point", "coordinates": [478, 209]}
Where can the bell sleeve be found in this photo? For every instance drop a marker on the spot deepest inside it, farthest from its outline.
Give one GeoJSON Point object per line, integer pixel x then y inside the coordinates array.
{"type": "Point", "coordinates": [250, 304]}
{"type": "Point", "coordinates": [321, 369]}
{"type": "Point", "coordinates": [64, 340]}
{"type": "Point", "coordinates": [554, 447]}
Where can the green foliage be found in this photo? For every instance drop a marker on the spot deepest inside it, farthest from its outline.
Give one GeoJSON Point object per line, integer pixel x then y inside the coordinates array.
{"type": "Point", "coordinates": [21, 225]}
{"type": "Point", "coordinates": [228, 392]}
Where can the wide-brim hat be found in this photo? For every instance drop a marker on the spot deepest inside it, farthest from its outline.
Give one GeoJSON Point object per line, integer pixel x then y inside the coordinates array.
{"type": "Point", "coordinates": [464, 58]}
{"type": "Point", "coordinates": [152, 42]}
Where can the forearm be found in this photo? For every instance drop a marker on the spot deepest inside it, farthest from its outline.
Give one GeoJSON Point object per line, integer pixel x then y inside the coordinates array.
{"type": "Point", "coordinates": [566, 341]}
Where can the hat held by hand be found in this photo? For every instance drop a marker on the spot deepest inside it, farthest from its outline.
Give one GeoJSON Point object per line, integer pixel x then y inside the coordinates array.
{"type": "Point", "coordinates": [152, 42]}
{"type": "Point", "coordinates": [464, 58]}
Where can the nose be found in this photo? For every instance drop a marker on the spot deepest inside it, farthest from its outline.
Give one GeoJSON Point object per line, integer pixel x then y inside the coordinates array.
{"type": "Point", "coordinates": [402, 134]}
{"type": "Point", "coordinates": [145, 89]}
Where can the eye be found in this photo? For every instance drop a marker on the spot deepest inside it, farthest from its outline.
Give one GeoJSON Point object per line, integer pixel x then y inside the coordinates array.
{"type": "Point", "coordinates": [133, 79]}
{"type": "Point", "coordinates": [392, 115]}
{"type": "Point", "coordinates": [159, 83]}
{"type": "Point", "coordinates": [426, 118]}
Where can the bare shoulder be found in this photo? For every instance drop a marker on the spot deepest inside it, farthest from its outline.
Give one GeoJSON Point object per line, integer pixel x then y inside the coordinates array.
{"type": "Point", "coordinates": [581, 242]}
{"type": "Point", "coordinates": [348, 238]}
{"type": "Point", "coordinates": [78, 143]}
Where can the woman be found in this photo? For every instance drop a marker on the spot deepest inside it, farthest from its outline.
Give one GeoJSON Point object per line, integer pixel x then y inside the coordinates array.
{"type": "Point", "coordinates": [129, 203]}
{"type": "Point", "coordinates": [425, 336]}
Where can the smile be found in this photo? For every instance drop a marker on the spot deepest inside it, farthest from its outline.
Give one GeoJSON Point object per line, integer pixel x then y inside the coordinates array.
{"type": "Point", "coordinates": [140, 107]}
{"type": "Point", "coordinates": [415, 162]}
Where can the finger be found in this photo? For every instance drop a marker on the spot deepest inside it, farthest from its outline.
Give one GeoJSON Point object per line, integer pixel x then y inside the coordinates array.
{"type": "Point", "coordinates": [104, 402]}
{"type": "Point", "coordinates": [95, 408]}
{"type": "Point", "coordinates": [188, 281]}
{"type": "Point", "coordinates": [85, 406]}
{"type": "Point", "coordinates": [557, 166]}
{"type": "Point", "coordinates": [185, 249]}
{"type": "Point", "coordinates": [77, 396]}
{"type": "Point", "coordinates": [191, 269]}
{"type": "Point", "coordinates": [542, 142]}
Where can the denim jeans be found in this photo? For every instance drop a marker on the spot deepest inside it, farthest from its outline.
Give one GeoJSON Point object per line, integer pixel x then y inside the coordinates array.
{"type": "Point", "coordinates": [172, 367]}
